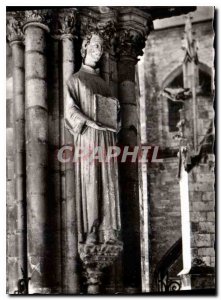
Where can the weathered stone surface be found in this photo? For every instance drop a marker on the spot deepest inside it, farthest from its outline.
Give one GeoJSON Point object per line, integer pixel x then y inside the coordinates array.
{"type": "Point", "coordinates": [206, 252]}
{"type": "Point", "coordinates": [33, 43]}
{"type": "Point", "coordinates": [203, 240]}
{"type": "Point", "coordinates": [207, 227]}
{"type": "Point", "coordinates": [36, 66]}
{"type": "Point", "coordinates": [210, 216]}
{"type": "Point", "coordinates": [203, 206]}
{"type": "Point", "coordinates": [36, 92]}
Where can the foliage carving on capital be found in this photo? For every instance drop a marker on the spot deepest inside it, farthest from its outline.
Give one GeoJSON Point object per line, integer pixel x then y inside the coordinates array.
{"type": "Point", "coordinates": [130, 38]}
{"type": "Point", "coordinates": [14, 27]}
{"type": "Point", "coordinates": [38, 16]}
{"type": "Point", "coordinates": [64, 24]}
{"type": "Point", "coordinates": [130, 43]}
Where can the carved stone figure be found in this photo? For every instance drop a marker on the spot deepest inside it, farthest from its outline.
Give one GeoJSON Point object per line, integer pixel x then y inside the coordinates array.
{"type": "Point", "coordinates": [97, 191]}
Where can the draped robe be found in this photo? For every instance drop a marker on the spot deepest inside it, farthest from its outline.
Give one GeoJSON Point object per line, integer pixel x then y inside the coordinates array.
{"type": "Point", "coordinates": [96, 183]}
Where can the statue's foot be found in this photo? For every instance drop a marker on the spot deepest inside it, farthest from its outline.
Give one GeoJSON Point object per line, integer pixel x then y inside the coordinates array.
{"type": "Point", "coordinates": [91, 239]}
{"type": "Point", "coordinates": [111, 238]}
{"type": "Point", "coordinates": [111, 241]}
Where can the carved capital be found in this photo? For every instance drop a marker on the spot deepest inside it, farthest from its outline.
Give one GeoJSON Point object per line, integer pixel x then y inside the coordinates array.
{"type": "Point", "coordinates": [63, 24]}
{"type": "Point", "coordinates": [133, 29]}
{"type": "Point", "coordinates": [130, 43]}
{"type": "Point", "coordinates": [41, 18]}
{"type": "Point", "coordinates": [14, 27]}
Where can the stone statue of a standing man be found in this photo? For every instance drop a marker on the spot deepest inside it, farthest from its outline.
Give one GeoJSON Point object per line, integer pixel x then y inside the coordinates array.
{"type": "Point", "coordinates": [97, 191]}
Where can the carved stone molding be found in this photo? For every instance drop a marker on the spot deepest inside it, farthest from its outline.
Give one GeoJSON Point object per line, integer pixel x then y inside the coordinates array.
{"type": "Point", "coordinates": [95, 258]}
{"type": "Point", "coordinates": [101, 255]}
{"type": "Point", "coordinates": [14, 27]}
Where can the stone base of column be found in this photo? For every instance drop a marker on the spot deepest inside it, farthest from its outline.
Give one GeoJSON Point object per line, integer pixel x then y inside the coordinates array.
{"type": "Point", "coordinates": [95, 258]}
{"type": "Point", "coordinates": [200, 277]}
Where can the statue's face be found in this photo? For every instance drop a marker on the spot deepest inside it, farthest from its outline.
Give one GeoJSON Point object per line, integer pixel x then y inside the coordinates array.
{"type": "Point", "coordinates": [94, 50]}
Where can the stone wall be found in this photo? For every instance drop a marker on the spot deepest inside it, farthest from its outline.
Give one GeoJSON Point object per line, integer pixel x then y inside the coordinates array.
{"type": "Point", "coordinates": [165, 221]}
{"type": "Point", "coordinates": [202, 211]}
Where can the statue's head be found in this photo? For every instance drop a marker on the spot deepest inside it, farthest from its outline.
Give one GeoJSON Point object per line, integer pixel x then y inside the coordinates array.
{"type": "Point", "coordinates": [92, 49]}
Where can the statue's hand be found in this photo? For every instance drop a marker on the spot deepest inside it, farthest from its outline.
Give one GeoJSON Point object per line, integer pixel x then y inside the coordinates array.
{"type": "Point", "coordinates": [111, 129]}
{"type": "Point", "coordinates": [95, 125]}
{"type": "Point", "coordinates": [98, 126]}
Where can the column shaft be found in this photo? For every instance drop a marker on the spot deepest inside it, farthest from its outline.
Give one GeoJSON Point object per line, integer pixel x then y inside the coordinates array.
{"type": "Point", "coordinates": [129, 174]}
{"type": "Point", "coordinates": [70, 276]}
{"type": "Point", "coordinates": [54, 186]}
{"type": "Point", "coordinates": [37, 158]}
{"type": "Point", "coordinates": [19, 137]}
{"type": "Point", "coordinates": [112, 275]}
{"type": "Point", "coordinates": [11, 244]}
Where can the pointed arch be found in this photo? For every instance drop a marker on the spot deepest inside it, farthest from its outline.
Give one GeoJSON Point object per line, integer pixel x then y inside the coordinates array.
{"type": "Point", "coordinates": [179, 69]}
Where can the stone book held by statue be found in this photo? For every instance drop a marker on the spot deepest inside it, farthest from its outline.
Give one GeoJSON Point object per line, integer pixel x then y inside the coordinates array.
{"type": "Point", "coordinates": [105, 110]}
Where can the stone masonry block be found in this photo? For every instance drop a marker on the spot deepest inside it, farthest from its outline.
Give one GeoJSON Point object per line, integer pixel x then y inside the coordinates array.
{"type": "Point", "coordinates": [198, 216]}
{"type": "Point", "coordinates": [211, 216]}
{"type": "Point", "coordinates": [207, 227]}
{"type": "Point", "coordinates": [207, 196]}
{"type": "Point", "coordinates": [203, 240]}
{"type": "Point", "coordinates": [202, 206]}
{"type": "Point", "coordinates": [206, 252]}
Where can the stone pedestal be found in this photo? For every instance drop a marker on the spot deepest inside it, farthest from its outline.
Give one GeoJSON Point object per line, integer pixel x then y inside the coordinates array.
{"type": "Point", "coordinates": [95, 258]}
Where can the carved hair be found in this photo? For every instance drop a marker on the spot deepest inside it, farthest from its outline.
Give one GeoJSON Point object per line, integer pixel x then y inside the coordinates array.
{"type": "Point", "coordinates": [86, 41]}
